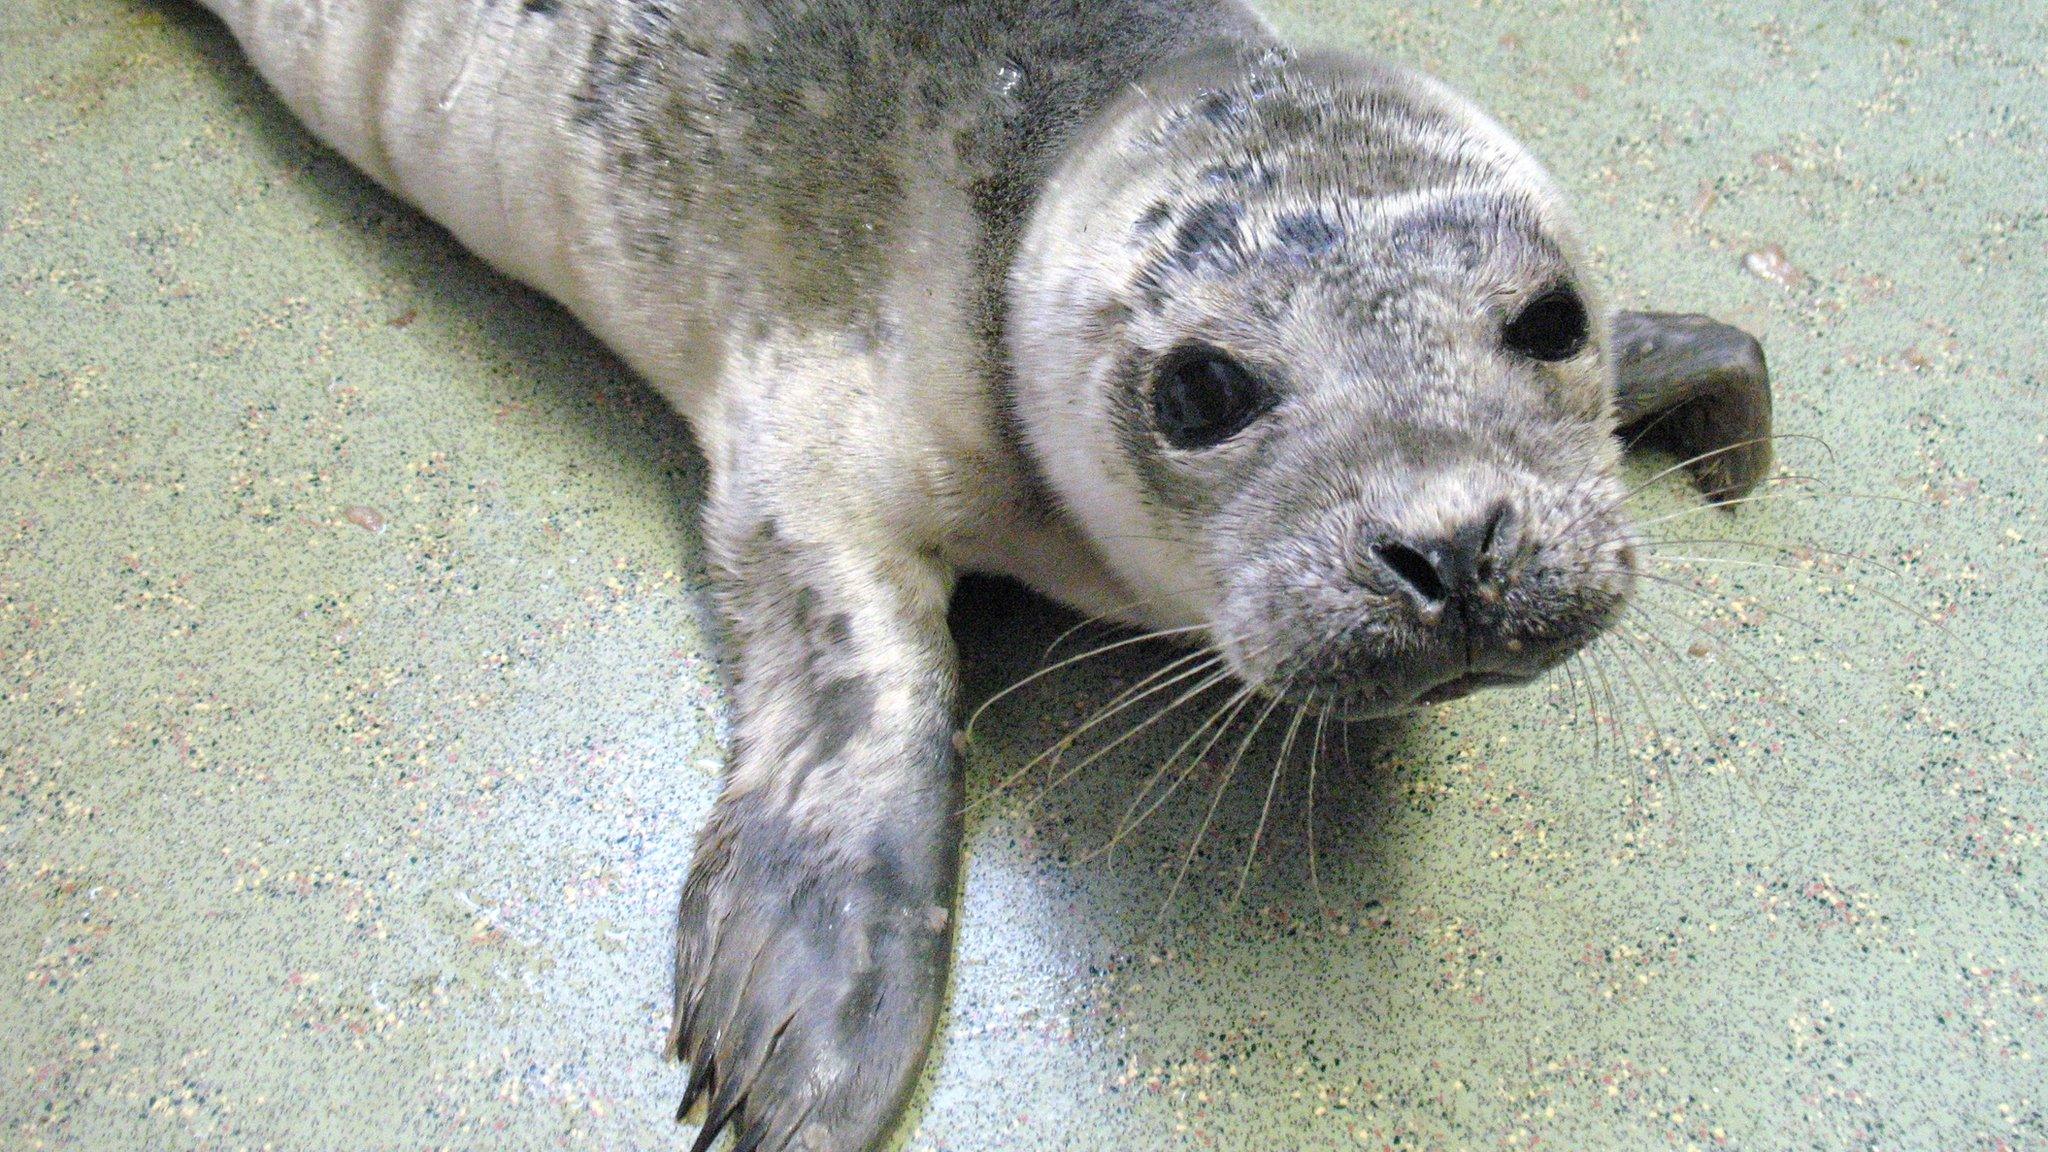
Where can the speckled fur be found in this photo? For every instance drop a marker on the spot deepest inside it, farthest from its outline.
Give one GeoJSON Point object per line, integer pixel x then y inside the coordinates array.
{"type": "Point", "coordinates": [909, 268]}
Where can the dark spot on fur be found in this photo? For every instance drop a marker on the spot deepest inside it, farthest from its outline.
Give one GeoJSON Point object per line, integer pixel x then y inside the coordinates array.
{"type": "Point", "coordinates": [1151, 218]}
{"type": "Point", "coordinates": [1103, 322]}
{"type": "Point", "coordinates": [540, 7]}
{"type": "Point", "coordinates": [863, 996]}
{"type": "Point", "coordinates": [839, 629]}
{"type": "Point", "coordinates": [1242, 174]}
{"type": "Point", "coordinates": [1209, 235]}
{"type": "Point", "coordinates": [586, 104]}
{"type": "Point", "coordinates": [1288, 118]}
{"type": "Point", "coordinates": [1223, 108]}
{"type": "Point", "coordinates": [844, 708]}
{"type": "Point", "coordinates": [1150, 285]}
{"type": "Point", "coordinates": [1307, 233]}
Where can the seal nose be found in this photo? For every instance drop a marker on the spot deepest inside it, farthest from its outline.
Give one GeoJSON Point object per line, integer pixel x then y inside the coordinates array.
{"type": "Point", "coordinates": [1436, 572]}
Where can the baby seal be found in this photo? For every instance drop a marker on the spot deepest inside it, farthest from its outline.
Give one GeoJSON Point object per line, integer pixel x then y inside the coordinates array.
{"type": "Point", "coordinates": [1294, 352]}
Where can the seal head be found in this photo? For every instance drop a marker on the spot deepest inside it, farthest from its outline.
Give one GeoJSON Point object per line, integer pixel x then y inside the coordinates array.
{"type": "Point", "coordinates": [1306, 344]}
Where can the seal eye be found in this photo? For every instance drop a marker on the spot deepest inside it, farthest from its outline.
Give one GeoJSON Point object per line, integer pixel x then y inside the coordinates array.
{"type": "Point", "coordinates": [1203, 398]}
{"type": "Point", "coordinates": [1551, 328]}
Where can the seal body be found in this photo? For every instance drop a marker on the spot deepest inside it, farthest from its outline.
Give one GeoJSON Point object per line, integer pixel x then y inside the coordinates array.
{"type": "Point", "coordinates": [730, 194]}
{"type": "Point", "coordinates": [1289, 353]}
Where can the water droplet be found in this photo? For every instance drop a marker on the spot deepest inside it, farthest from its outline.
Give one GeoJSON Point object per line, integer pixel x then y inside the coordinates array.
{"type": "Point", "coordinates": [1009, 78]}
{"type": "Point", "coordinates": [453, 90]}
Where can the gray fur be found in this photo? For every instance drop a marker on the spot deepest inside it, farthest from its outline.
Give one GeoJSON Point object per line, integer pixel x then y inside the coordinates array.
{"type": "Point", "coordinates": [912, 269]}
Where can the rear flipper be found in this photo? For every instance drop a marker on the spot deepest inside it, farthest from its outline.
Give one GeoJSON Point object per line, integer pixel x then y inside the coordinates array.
{"type": "Point", "coordinates": [1699, 388]}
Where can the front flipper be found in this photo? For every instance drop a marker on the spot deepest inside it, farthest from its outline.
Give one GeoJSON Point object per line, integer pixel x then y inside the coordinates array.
{"type": "Point", "coordinates": [1700, 388]}
{"type": "Point", "coordinates": [815, 926]}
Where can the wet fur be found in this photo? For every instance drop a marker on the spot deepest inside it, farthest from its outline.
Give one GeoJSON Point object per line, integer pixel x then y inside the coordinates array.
{"type": "Point", "coordinates": [907, 266]}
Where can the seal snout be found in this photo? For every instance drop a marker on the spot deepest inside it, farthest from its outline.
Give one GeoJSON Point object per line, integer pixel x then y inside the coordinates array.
{"type": "Point", "coordinates": [1452, 581]}
{"type": "Point", "coordinates": [1445, 569]}
{"type": "Point", "coordinates": [1466, 577]}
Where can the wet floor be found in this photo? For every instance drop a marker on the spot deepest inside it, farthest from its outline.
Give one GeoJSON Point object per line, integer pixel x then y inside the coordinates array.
{"type": "Point", "coordinates": [357, 709]}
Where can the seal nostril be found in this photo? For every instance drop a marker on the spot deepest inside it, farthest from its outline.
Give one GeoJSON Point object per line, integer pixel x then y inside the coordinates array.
{"type": "Point", "coordinates": [1414, 569]}
{"type": "Point", "coordinates": [1493, 525]}
{"type": "Point", "coordinates": [1498, 537]}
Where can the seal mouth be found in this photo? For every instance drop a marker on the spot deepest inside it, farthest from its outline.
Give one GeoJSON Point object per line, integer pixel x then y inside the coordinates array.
{"type": "Point", "coordinates": [1469, 683]}
{"type": "Point", "coordinates": [1381, 702]}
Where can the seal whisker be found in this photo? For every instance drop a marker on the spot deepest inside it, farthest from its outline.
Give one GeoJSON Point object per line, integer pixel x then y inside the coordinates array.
{"type": "Point", "coordinates": [1705, 637]}
{"type": "Point", "coordinates": [1855, 559]}
{"type": "Point", "coordinates": [1130, 733]}
{"type": "Point", "coordinates": [1740, 562]}
{"type": "Point", "coordinates": [1652, 721]}
{"type": "Point", "coordinates": [1618, 745]}
{"type": "Point", "coordinates": [1643, 429]}
{"type": "Point", "coordinates": [1610, 745]}
{"type": "Point", "coordinates": [1576, 689]}
{"type": "Point", "coordinates": [1713, 598]}
{"type": "Point", "coordinates": [1177, 671]}
{"type": "Point", "coordinates": [1752, 442]}
{"type": "Point", "coordinates": [1774, 545]}
{"type": "Point", "coordinates": [1315, 752]}
{"type": "Point", "coordinates": [1130, 697]}
{"type": "Point", "coordinates": [1216, 801]}
{"type": "Point", "coordinates": [1088, 622]}
{"type": "Point", "coordinates": [1873, 586]}
{"type": "Point", "coordinates": [1584, 673]}
{"type": "Point", "coordinates": [1664, 677]}
{"type": "Point", "coordinates": [1272, 786]}
{"type": "Point", "coordinates": [1665, 744]}
{"type": "Point", "coordinates": [1806, 486]}
{"type": "Point", "coordinates": [1221, 720]}
{"type": "Point", "coordinates": [1777, 696]}
{"type": "Point", "coordinates": [1769, 497]}
{"type": "Point", "coordinates": [1776, 690]}
{"type": "Point", "coordinates": [1749, 782]}
{"type": "Point", "coordinates": [1650, 757]}
{"type": "Point", "coordinates": [1726, 744]}
{"type": "Point", "coordinates": [1651, 549]}
{"type": "Point", "coordinates": [1603, 730]}
{"type": "Point", "coordinates": [968, 728]}
{"type": "Point", "coordinates": [1611, 506]}
{"type": "Point", "coordinates": [1109, 619]}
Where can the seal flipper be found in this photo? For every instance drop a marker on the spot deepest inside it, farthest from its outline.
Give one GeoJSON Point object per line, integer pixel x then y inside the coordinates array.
{"type": "Point", "coordinates": [1699, 388]}
{"type": "Point", "coordinates": [816, 925]}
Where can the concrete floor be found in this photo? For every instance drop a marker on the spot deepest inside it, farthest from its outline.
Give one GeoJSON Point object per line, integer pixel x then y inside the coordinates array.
{"type": "Point", "coordinates": [356, 712]}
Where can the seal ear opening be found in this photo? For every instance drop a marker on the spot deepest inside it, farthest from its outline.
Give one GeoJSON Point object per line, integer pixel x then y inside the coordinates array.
{"type": "Point", "coordinates": [1550, 328]}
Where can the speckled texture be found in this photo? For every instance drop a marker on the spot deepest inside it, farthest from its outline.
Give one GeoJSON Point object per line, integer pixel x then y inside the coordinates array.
{"type": "Point", "coordinates": [357, 707]}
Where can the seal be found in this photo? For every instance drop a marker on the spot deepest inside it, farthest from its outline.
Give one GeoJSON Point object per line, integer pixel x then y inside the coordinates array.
{"type": "Point", "coordinates": [1291, 354]}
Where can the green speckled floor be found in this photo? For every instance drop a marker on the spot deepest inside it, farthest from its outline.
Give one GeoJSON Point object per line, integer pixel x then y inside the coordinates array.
{"type": "Point", "coordinates": [356, 712]}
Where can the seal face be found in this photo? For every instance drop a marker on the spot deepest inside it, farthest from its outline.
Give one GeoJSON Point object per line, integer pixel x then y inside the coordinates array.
{"type": "Point", "coordinates": [1342, 386]}
{"type": "Point", "coordinates": [1292, 353]}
